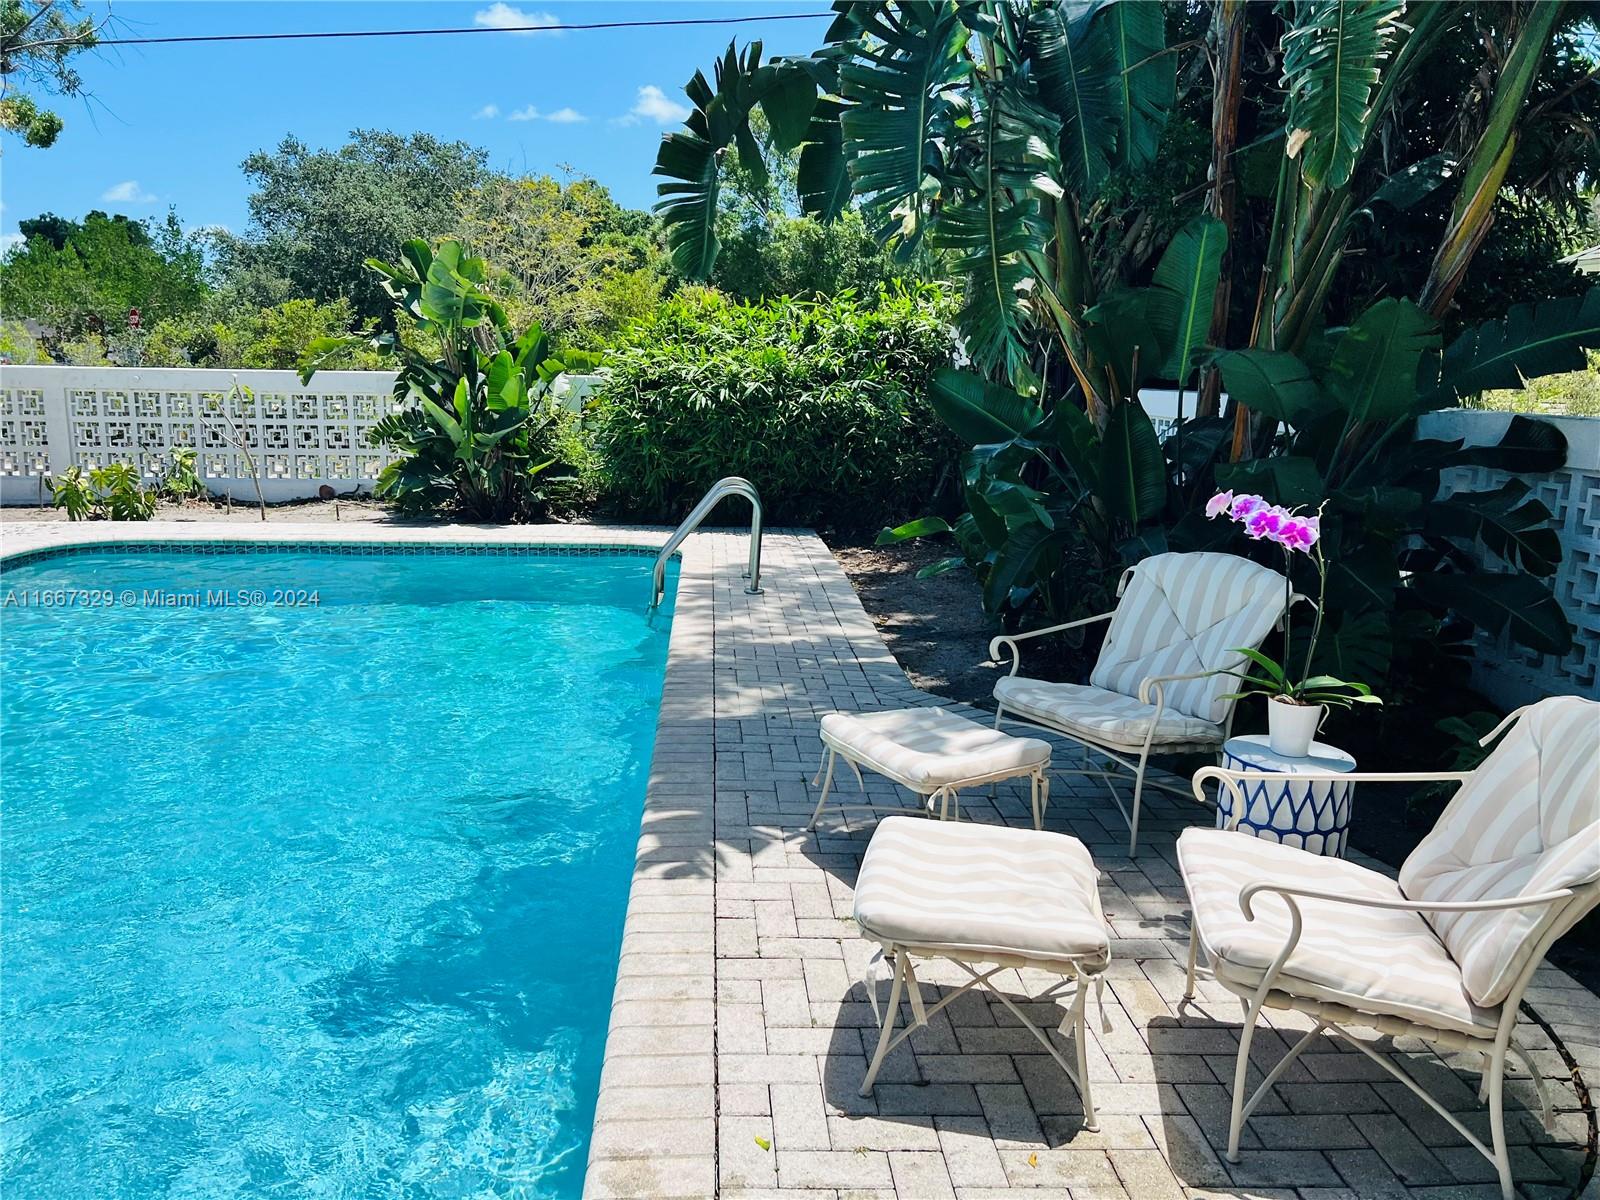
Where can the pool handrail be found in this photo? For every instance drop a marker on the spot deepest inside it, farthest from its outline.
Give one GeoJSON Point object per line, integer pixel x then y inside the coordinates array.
{"type": "Point", "coordinates": [733, 485]}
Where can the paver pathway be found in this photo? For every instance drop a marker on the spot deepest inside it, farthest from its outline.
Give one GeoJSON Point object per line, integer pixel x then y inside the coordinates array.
{"type": "Point", "coordinates": [972, 1108]}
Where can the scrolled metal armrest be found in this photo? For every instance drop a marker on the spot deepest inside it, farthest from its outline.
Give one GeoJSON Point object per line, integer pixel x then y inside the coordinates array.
{"type": "Point", "coordinates": [1159, 682]}
{"type": "Point", "coordinates": [1290, 893]}
{"type": "Point", "coordinates": [1013, 639]}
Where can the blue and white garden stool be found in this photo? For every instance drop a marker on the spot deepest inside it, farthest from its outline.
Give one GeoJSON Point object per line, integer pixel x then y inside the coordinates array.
{"type": "Point", "coordinates": [1310, 815]}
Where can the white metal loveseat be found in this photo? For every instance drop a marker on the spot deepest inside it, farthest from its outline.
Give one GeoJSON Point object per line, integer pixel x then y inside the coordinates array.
{"type": "Point", "coordinates": [1158, 686]}
{"type": "Point", "coordinates": [1445, 952]}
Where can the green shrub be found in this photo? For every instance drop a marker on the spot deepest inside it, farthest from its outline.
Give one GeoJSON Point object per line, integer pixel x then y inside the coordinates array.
{"type": "Point", "coordinates": [821, 405]}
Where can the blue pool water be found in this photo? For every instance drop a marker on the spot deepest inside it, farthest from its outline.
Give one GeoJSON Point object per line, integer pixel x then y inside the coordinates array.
{"type": "Point", "coordinates": [316, 900]}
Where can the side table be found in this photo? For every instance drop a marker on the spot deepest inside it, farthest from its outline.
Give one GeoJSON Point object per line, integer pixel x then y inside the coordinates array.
{"type": "Point", "coordinates": [1310, 815]}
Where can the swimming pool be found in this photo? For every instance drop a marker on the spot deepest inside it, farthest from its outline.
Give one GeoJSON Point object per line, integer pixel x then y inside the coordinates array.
{"type": "Point", "coordinates": [322, 896]}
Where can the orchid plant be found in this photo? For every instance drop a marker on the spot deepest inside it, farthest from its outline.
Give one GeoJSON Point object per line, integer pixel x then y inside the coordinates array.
{"type": "Point", "coordinates": [1297, 533]}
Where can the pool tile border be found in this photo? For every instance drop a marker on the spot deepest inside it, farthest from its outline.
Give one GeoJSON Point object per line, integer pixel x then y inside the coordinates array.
{"type": "Point", "coordinates": [660, 1049]}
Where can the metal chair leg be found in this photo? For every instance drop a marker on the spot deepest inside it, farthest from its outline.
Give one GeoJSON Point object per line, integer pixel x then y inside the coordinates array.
{"type": "Point", "coordinates": [1240, 1069]}
{"type": "Point", "coordinates": [889, 1016]}
{"type": "Point", "coordinates": [1497, 1124]}
{"type": "Point", "coordinates": [1080, 1046]}
{"type": "Point", "coordinates": [827, 783]}
{"type": "Point", "coordinates": [1133, 813]}
{"type": "Point", "coordinates": [1194, 946]}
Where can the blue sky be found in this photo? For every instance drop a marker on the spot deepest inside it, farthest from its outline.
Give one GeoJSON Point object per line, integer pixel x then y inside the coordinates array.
{"type": "Point", "coordinates": [169, 125]}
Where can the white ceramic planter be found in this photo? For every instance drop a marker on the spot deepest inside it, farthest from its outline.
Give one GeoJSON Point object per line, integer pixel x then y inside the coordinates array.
{"type": "Point", "coordinates": [1291, 727]}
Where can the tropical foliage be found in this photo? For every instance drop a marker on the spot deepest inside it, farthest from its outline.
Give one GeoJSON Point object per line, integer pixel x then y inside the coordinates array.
{"type": "Point", "coordinates": [112, 492]}
{"type": "Point", "coordinates": [476, 428]}
{"type": "Point", "coordinates": [1009, 139]}
{"type": "Point", "coordinates": [824, 403]}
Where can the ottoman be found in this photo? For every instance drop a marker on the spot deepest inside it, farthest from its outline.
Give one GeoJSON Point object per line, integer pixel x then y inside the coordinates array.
{"type": "Point", "coordinates": [932, 752]}
{"type": "Point", "coordinates": [986, 898]}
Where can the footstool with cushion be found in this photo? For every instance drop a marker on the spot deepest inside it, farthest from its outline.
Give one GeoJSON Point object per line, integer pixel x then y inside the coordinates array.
{"type": "Point", "coordinates": [986, 898]}
{"type": "Point", "coordinates": [934, 753]}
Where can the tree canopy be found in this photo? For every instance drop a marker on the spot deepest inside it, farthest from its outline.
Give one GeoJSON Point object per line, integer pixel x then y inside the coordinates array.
{"type": "Point", "coordinates": [82, 277]}
{"type": "Point", "coordinates": [38, 39]}
{"type": "Point", "coordinates": [316, 216]}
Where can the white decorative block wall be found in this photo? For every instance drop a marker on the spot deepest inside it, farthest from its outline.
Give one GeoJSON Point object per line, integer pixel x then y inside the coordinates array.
{"type": "Point", "coordinates": [1510, 673]}
{"type": "Point", "coordinates": [302, 436]}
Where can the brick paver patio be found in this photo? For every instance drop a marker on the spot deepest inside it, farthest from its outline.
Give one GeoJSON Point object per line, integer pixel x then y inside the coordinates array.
{"type": "Point", "coordinates": [971, 1108]}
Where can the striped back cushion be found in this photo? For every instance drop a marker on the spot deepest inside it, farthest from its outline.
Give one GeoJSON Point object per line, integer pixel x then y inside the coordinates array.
{"type": "Point", "coordinates": [1183, 613]}
{"type": "Point", "coordinates": [1528, 821]}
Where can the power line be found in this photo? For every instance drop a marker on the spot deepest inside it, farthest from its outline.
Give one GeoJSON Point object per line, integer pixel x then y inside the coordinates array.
{"type": "Point", "coordinates": [378, 33]}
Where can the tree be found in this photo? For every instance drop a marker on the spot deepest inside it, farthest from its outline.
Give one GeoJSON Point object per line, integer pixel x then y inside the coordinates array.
{"type": "Point", "coordinates": [38, 38]}
{"type": "Point", "coordinates": [780, 255]}
{"type": "Point", "coordinates": [316, 216]}
{"type": "Point", "coordinates": [275, 338]}
{"type": "Point", "coordinates": [566, 256]}
{"type": "Point", "coordinates": [79, 278]}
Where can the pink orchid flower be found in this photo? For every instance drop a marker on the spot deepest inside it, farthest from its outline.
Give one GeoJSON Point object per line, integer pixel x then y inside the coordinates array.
{"type": "Point", "coordinates": [1245, 507]}
{"type": "Point", "coordinates": [1218, 504]}
{"type": "Point", "coordinates": [1266, 522]}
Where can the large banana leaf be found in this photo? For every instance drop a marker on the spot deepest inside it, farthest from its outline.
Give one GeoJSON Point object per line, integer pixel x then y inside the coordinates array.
{"type": "Point", "coordinates": [1185, 291]}
{"type": "Point", "coordinates": [1506, 521]}
{"type": "Point", "coordinates": [1287, 479]}
{"type": "Point", "coordinates": [1274, 383]}
{"type": "Point", "coordinates": [980, 412]}
{"type": "Point", "coordinates": [1373, 374]}
{"type": "Point", "coordinates": [902, 87]}
{"type": "Point", "coordinates": [1133, 471]}
{"type": "Point", "coordinates": [997, 222]}
{"type": "Point", "coordinates": [690, 158]}
{"type": "Point", "coordinates": [1135, 36]}
{"type": "Point", "coordinates": [821, 178]}
{"type": "Point", "coordinates": [1126, 338]}
{"type": "Point", "coordinates": [688, 207]}
{"type": "Point", "coordinates": [1515, 604]}
{"type": "Point", "coordinates": [1331, 56]}
{"type": "Point", "coordinates": [1074, 70]}
{"type": "Point", "coordinates": [1529, 341]}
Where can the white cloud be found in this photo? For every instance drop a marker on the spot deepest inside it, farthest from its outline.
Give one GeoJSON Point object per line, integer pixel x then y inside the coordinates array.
{"type": "Point", "coordinates": [487, 113]}
{"type": "Point", "coordinates": [8, 240]}
{"type": "Point", "coordinates": [127, 192]}
{"type": "Point", "coordinates": [561, 116]}
{"type": "Point", "coordinates": [653, 105]}
{"type": "Point", "coordinates": [506, 16]}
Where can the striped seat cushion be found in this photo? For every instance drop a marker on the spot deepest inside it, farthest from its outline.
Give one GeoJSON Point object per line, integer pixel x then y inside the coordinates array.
{"type": "Point", "coordinates": [928, 748]}
{"type": "Point", "coordinates": [982, 891]}
{"type": "Point", "coordinates": [1186, 613]}
{"type": "Point", "coordinates": [1382, 961]}
{"type": "Point", "coordinates": [1528, 821]}
{"type": "Point", "coordinates": [1100, 716]}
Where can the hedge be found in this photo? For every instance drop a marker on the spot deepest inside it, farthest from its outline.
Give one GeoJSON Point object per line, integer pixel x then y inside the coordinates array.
{"type": "Point", "coordinates": [823, 406]}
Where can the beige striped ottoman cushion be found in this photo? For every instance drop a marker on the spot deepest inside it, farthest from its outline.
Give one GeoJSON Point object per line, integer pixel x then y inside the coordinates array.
{"type": "Point", "coordinates": [930, 748]}
{"type": "Point", "coordinates": [982, 891]}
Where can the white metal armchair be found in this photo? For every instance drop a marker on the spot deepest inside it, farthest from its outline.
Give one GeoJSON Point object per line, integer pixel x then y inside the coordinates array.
{"type": "Point", "coordinates": [1445, 952]}
{"type": "Point", "coordinates": [1156, 687]}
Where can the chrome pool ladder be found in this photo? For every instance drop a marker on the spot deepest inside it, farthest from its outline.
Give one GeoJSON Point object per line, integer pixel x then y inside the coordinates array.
{"type": "Point", "coordinates": [731, 486]}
